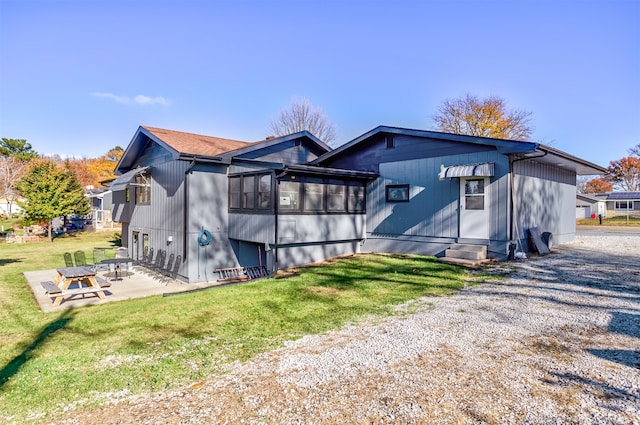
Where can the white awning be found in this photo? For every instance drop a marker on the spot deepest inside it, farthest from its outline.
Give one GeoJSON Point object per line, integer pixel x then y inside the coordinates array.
{"type": "Point", "coordinates": [466, 170]}
{"type": "Point", "coordinates": [121, 182]}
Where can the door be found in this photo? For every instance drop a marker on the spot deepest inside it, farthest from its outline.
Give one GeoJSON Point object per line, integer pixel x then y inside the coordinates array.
{"type": "Point", "coordinates": [474, 208]}
{"type": "Point", "coordinates": [136, 246]}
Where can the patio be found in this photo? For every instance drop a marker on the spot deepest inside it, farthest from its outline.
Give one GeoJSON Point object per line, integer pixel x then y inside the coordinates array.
{"type": "Point", "coordinates": [139, 284]}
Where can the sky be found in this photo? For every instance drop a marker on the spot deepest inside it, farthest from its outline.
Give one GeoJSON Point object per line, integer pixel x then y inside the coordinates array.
{"type": "Point", "coordinates": [77, 78]}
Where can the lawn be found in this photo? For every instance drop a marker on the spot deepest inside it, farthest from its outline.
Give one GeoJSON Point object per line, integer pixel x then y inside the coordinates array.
{"type": "Point", "coordinates": [611, 221]}
{"type": "Point", "coordinates": [83, 357]}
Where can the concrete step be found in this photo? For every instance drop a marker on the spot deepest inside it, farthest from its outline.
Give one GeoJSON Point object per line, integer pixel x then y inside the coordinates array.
{"type": "Point", "coordinates": [469, 247]}
{"type": "Point", "coordinates": [463, 262]}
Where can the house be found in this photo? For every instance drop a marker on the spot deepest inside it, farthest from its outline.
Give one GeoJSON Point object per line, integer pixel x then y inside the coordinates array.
{"type": "Point", "coordinates": [590, 206]}
{"type": "Point", "coordinates": [221, 203]}
{"type": "Point", "coordinates": [437, 189]}
{"type": "Point", "coordinates": [626, 204]}
{"type": "Point", "coordinates": [290, 200]}
{"type": "Point", "coordinates": [100, 199]}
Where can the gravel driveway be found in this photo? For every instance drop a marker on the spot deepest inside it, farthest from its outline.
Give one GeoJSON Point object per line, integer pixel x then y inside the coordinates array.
{"type": "Point", "coordinates": [558, 341]}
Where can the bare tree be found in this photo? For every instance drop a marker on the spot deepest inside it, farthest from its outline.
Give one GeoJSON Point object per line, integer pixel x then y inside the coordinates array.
{"type": "Point", "coordinates": [302, 115]}
{"type": "Point", "coordinates": [11, 169]}
{"type": "Point", "coordinates": [635, 151]}
{"type": "Point", "coordinates": [483, 117]}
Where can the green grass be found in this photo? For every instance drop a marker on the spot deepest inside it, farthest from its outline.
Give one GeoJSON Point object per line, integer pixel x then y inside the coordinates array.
{"type": "Point", "coordinates": [85, 356]}
{"type": "Point", "coordinates": [612, 221]}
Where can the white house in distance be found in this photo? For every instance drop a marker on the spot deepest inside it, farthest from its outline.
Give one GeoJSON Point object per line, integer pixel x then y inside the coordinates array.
{"type": "Point", "coordinates": [287, 201]}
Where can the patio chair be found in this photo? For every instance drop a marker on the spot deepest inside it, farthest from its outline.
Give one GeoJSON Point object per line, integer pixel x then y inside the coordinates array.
{"type": "Point", "coordinates": [148, 259]}
{"type": "Point", "coordinates": [176, 267]}
{"type": "Point", "coordinates": [158, 264]}
{"type": "Point", "coordinates": [68, 261]}
{"type": "Point", "coordinates": [99, 254]}
{"type": "Point", "coordinates": [166, 270]}
{"type": "Point", "coordinates": [80, 258]}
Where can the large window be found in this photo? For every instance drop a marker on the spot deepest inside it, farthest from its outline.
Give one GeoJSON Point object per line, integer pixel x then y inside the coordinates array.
{"type": "Point", "coordinates": [289, 198]}
{"type": "Point", "coordinates": [143, 188]}
{"type": "Point", "coordinates": [264, 192]}
{"type": "Point", "coordinates": [313, 195]}
{"type": "Point", "coordinates": [356, 197]}
{"type": "Point", "coordinates": [336, 196]}
{"type": "Point", "coordinates": [295, 194]}
{"type": "Point", "coordinates": [250, 192]}
{"type": "Point", "coordinates": [623, 205]}
{"type": "Point", "coordinates": [235, 192]}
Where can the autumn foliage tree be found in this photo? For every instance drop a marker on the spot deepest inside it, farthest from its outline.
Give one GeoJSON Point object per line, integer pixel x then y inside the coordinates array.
{"type": "Point", "coordinates": [92, 171]}
{"type": "Point", "coordinates": [597, 185]}
{"type": "Point", "coordinates": [624, 173]}
{"type": "Point", "coordinates": [484, 118]}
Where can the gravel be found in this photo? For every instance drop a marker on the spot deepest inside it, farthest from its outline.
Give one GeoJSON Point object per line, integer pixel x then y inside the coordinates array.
{"type": "Point", "coordinates": [556, 342]}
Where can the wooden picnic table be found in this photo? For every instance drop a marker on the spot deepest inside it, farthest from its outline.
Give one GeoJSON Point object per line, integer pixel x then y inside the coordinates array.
{"type": "Point", "coordinates": [84, 277]}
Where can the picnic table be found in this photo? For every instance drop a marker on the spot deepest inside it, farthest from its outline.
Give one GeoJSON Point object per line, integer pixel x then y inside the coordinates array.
{"type": "Point", "coordinates": [83, 277]}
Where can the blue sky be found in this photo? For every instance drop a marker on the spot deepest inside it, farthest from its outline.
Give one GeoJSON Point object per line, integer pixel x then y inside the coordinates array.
{"type": "Point", "coordinates": [78, 77]}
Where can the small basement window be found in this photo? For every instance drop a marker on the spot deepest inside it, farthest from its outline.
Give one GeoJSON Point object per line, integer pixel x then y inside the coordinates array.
{"type": "Point", "coordinates": [397, 193]}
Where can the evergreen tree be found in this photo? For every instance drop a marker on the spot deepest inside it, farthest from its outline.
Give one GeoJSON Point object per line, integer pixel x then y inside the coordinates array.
{"type": "Point", "coordinates": [51, 191]}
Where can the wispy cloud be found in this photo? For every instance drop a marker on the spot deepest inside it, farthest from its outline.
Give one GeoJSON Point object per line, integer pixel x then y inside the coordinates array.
{"type": "Point", "coordinates": [139, 99]}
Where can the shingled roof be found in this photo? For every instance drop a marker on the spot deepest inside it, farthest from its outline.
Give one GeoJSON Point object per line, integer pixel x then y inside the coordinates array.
{"type": "Point", "coordinates": [195, 144]}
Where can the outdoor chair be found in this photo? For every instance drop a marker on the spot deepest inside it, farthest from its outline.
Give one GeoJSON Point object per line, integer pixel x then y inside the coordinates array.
{"type": "Point", "coordinates": [176, 266]}
{"type": "Point", "coordinates": [129, 269]}
{"type": "Point", "coordinates": [80, 258]}
{"type": "Point", "coordinates": [99, 254]}
{"type": "Point", "coordinates": [68, 261]}
{"type": "Point", "coordinates": [166, 270]}
{"type": "Point", "coordinates": [158, 264]}
{"type": "Point", "coordinates": [148, 259]}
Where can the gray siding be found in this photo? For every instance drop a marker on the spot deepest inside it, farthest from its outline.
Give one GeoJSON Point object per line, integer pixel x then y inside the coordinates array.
{"type": "Point", "coordinates": [544, 198]}
{"type": "Point", "coordinates": [290, 256]}
{"type": "Point", "coordinates": [164, 216]}
{"type": "Point", "coordinates": [258, 228]}
{"type": "Point", "coordinates": [208, 206]}
{"type": "Point", "coordinates": [429, 222]}
{"type": "Point", "coordinates": [406, 148]}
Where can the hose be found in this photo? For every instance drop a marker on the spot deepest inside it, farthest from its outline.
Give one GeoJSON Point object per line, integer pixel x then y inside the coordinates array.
{"type": "Point", "coordinates": [204, 238]}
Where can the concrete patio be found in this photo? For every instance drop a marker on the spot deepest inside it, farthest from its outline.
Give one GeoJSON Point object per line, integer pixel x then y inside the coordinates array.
{"type": "Point", "coordinates": [141, 283]}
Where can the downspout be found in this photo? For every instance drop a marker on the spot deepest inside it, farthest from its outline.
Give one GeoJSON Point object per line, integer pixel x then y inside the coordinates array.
{"type": "Point", "coordinates": [512, 185]}
{"type": "Point", "coordinates": [276, 217]}
{"type": "Point", "coordinates": [185, 209]}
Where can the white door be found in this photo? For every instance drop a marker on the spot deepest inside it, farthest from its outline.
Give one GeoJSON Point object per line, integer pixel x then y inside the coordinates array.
{"type": "Point", "coordinates": [474, 208]}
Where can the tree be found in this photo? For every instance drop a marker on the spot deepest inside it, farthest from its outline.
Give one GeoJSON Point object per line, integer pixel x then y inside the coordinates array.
{"type": "Point", "coordinates": [635, 151]}
{"type": "Point", "coordinates": [11, 169]}
{"type": "Point", "coordinates": [51, 191]}
{"type": "Point", "coordinates": [624, 173]}
{"type": "Point", "coordinates": [301, 115]}
{"type": "Point", "coordinates": [597, 185]}
{"type": "Point", "coordinates": [18, 148]}
{"type": "Point", "coordinates": [483, 117]}
{"type": "Point", "coordinates": [92, 171]}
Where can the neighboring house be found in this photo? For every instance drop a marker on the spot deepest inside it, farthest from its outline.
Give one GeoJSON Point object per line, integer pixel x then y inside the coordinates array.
{"type": "Point", "coordinates": [621, 203]}
{"type": "Point", "coordinates": [436, 189]}
{"type": "Point", "coordinates": [289, 200]}
{"type": "Point", "coordinates": [589, 205]}
{"type": "Point", "coordinates": [12, 206]}
{"type": "Point", "coordinates": [101, 206]}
